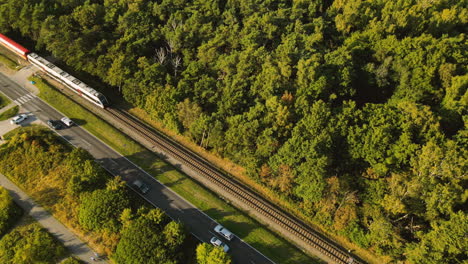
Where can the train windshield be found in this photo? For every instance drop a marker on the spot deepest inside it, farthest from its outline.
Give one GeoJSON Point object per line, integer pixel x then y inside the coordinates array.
{"type": "Point", "coordinates": [103, 100]}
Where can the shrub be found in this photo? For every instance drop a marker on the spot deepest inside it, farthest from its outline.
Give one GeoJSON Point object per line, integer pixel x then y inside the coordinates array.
{"type": "Point", "coordinates": [30, 244]}
{"type": "Point", "coordinates": [9, 211]}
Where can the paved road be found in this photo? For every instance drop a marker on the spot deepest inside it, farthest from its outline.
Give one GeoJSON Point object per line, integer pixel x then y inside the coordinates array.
{"type": "Point", "coordinates": [77, 247]}
{"type": "Point", "coordinates": [160, 196]}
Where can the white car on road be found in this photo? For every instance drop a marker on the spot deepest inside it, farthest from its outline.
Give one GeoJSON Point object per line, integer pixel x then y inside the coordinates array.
{"type": "Point", "coordinates": [218, 243]}
{"type": "Point", "coordinates": [18, 119]}
{"type": "Point", "coordinates": [224, 232]}
{"type": "Point", "coordinates": [67, 121]}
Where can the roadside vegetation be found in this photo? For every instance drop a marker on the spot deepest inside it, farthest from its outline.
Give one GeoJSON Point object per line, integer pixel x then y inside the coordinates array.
{"type": "Point", "coordinates": [98, 207]}
{"type": "Point", "coordinates": [8, 62]}
{"type": "Point", "coordinates": [209, 254]}
{"type": "Point", "coordinates": [4, 101]}
{"type": "Point", "coordinates": [71, 260]}
{"type": "Point", "coordinates": [22, 240]}
{"type": "Point", "coordinates": [243, 226]}
{"type": "Point", "coordinates": [30, 243]}
{"type": "Point", "coordinates": [10, 212]}
{"type": "Point", "coordinates": [9, 113]}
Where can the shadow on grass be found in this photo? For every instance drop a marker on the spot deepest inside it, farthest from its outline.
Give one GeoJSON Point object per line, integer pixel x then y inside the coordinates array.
{"type": "Point", "coordinates": [219, 214]}
{"type": "Point", "coordinates": [79, 122]}
{"type": "Point", "coordinates": [176, 182]}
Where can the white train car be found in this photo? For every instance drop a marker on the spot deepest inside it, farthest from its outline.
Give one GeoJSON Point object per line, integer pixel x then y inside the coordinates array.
{"type": "Point", "coordinates": [71, 82]}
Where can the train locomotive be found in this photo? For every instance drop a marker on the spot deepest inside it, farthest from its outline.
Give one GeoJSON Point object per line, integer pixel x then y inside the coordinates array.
{"type": "Point", "coordinates": [56, 73]}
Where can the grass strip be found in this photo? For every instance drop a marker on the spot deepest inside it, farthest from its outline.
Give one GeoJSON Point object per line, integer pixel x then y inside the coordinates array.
{"type": "Point", "coordinates": [8, 62]}
{"type": "Point", "coordinates": [4, 101]}
{"type": "Point", "coordinates": [9, 113]}
{"type": "Point", "coordinates": [277, 249]}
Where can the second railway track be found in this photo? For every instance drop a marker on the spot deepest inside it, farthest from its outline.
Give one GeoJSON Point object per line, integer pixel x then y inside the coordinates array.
{"type": "Point", "coordinates": [245, 195]}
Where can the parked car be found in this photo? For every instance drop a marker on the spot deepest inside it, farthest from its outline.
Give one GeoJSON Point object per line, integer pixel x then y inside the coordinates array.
{"type": "Point", "coordinates": [18, 119]}
{"type": "Point", "coordinates": [67, 121]}
{"type": "Point", "coordinates": [218, 243]}
{"type": "Point", "coordinates": [141, 186]}
{"type": "Point", "coordinates": [53, 124]}
{"type": "Point", "coordinates": [224, 232]}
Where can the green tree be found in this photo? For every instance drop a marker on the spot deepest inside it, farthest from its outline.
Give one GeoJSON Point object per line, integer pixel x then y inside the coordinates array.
{"type": "Point", "coordinates": [208, 254]}
{"type": "Point", "coordinates": [445, 243]}
{"type": "Point", "coordinates": [102, 208]}
{"type": "Point", "coordinates": [150, 238]}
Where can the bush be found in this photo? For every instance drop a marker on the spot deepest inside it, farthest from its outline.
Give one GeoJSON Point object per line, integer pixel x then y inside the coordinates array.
{"type": "Point", "coordinates": [30, 244]}
{"type": "Point", "coordinates": [9, 211]}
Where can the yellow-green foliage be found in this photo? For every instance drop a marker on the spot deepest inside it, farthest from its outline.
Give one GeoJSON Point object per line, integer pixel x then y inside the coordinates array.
{"type": "Point", "coordinates": [8, 62]}
{"type": "Point", "coordinates": [30, 244]}
{"type": "Point", "coordinates": [68, 183]}
{"type": "Point", "coordinates": [9, 211]}
{"type": "Point", "coordinates": [51, 172]}
{"type": "Point", "coordinates": [4, 101]}
{"type": "Point", "coordinates": [9, 113]}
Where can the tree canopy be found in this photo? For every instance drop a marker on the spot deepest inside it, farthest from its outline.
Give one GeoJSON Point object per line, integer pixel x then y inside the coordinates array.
{"type": "Point", "coordinates": [209, 254]}
{"type": "Point", "coordinates": [101, 209]}
{"type": "Point", "coordinates": [150, 237]}
{"type": "Point", "coordinates": [30, 244]}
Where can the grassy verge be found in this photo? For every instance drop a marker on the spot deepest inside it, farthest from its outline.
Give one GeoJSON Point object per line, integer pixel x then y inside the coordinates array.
{"type": "Point", "coordinates": [9, 113]}
{"type": "Point", "coordinates": [8, 62]}
{"type": "Point", "coordinates": [245, 227]}
{"type": "Point", "coordinates": [4, 101]}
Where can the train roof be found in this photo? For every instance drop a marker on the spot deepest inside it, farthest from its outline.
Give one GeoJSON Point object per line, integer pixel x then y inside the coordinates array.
{"type": "Point", "coordinates": [65, 75]}
{"type": "Point", "coordinates": [13, 45]}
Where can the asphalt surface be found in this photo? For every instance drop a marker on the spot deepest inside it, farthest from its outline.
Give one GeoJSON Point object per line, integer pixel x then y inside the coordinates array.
{"type": "Point", "coordinates": [76, 247]}
{"type": "Point", "coordinates": [199, 224]}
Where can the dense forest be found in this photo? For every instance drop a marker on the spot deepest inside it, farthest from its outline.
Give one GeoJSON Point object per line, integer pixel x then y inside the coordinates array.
{"type": "Point", "coordinates": [355, 110]}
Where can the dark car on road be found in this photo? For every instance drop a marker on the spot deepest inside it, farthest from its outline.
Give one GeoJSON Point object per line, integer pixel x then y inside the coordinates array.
{"type": "Point", "coordinates": [141, 186]}
{"type": "Point", "coordinates": [53, 124]}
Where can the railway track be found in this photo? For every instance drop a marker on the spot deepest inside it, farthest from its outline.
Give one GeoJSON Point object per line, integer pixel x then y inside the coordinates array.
{"type": "Point", "coordinates": [247, 196]}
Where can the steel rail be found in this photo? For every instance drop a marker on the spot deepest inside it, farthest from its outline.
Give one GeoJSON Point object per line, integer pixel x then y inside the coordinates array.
{"type": "Point", "coordinates": [245, 195]}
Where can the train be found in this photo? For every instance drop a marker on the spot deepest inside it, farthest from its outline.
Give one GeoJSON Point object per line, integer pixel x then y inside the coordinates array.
{"type": "Point", "coordinates": [56, 73]}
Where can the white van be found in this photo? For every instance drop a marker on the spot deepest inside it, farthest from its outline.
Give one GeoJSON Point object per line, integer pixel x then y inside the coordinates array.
{"type": "Point", "coordinates": [67, 121]}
